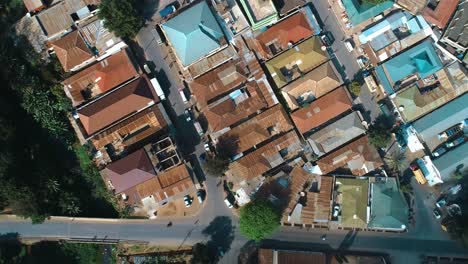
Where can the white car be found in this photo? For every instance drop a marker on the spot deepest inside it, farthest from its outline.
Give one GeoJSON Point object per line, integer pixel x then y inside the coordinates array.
{"type": "Point", "coordinates": [228, 204]}
{"type": "Point", "coordinates": [348, 45]}
{"type": "Point", "coordinates": [336, 210]}
{"type": "Point", "coordinates": [187, 201]}
{"type": "Point", "coordinates": [207, 147]}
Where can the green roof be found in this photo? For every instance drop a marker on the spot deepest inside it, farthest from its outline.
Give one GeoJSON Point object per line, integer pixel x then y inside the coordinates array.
{"type": "Point", "coordinates": [355, 194]}
{"type": "Point", "coordinates": [254, 13]}
{"type": "Point", "coordinates": [421, 59]}
{"type": "Point", "coordinates": [359, 12]}
{"type": "Point", "coordinates": [388, 206]}
{"type": "Point", "coordinates": [305, 56]}
{"type": "Point", "coordinates": [194, 33]}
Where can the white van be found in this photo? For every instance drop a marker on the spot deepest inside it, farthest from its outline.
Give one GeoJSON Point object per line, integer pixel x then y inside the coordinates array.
{"type": "Point", "coordinates": [182, 94]}
{"type": "Point", "coordinates": [348, 45]}
{"type": "Point", "coordinates": [158, 89]}
{"type": "Point", "coordinates": [228, 204]}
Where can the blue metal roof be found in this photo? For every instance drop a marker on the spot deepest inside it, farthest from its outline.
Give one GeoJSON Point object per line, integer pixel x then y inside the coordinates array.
{"type": "Point", "coordinates": [359, 12]}
{"type": "Point", "coordinates": [194, 33]}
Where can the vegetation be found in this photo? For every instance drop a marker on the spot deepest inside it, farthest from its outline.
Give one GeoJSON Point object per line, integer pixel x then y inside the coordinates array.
{"type": "Point", "coordinates": [40, 170]}
{"type": "Point", "coordinates": [396, 161]}
{"type": "Point", "coordinates": [258, 219]}
{"type": "Point", "coordinates": [355, 88]}
{"type": "Point", "coordinates": [121, 17]}
{"type": "Point", "coordinates": [457, 225]}
{"type": "Point", "coordinates": [202, 254]}
{"type": "Point", "coordinates": [52, 252]}
{"type": "Point", "coordinates": [380, 132]}
{"type": "Point", "coordinates": [216, 165]}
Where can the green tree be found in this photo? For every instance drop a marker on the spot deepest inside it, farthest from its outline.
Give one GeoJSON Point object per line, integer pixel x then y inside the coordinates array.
{"type": "Point", "coordinates": [216, 165]}
{"type": "Point", "coordinates": [202, 254]}
{"type": "Point", "coordinates": [121, 17]}
{"type": "Point", "coordinates": [258, 219]}
{"type": "Point", "coordinates": [355, 88]}
{"type": "Point", "coordinates": [380, 131]}
{"type": "Point", "coordinates": [396, 161]}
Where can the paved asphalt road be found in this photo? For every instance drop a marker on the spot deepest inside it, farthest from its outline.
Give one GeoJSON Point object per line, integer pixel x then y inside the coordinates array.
{"type": "Point", "coordinates": [215, 222]}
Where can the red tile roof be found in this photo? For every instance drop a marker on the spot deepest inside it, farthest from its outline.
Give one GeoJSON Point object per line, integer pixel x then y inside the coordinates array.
{"type": "Point", "coordinates": [101, 77]}
{"type": "Point", "coordinates": [322, 110]}
{"type": "Point", "coordinates": [290, 30]}
{"type": "Point", "coordinates": [33, 5]}
{"type": "Point", "coordinates": [71, 50]}
{"type": "Point", "coordinates": [441, 15]}
{"type": "Point", "coordinates": [129, 171]}
{"type": "Point", "coordinates": [121, 103]}
{"type": "Point", "coordinates": [358, 156]}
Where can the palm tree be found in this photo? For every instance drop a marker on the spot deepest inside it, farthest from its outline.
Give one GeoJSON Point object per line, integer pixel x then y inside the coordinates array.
{"type": "Point", "coordinates": [396, 161]}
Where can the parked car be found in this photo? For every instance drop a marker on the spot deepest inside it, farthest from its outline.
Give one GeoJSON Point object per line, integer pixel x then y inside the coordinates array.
{"type": "Point", "coordinates": [325, 40]}
{"type": "Point", "coordinates": [207, 147]}
{"type": "Point", "coordinates": [455, 142]}
{"type": "Point", "coordinates": [147, 68]}
{"type": "Point", "coordinates": [349, 46]}
{"type": "Point", "coordinates": [187, 201]}
{"type": "Point", "coordinates": [228, 203]}
{"type": "Point", "coordinates": [188, 115]}
{"type": "Point", "coordinates": [437, 214]}
{"type": "Point", "coordinates": [336, 210]}
{"type": "Point", "coordinates": [182, 95]}
{"type": "Point", "coordinates": [441, 203]}
{"type": "Point", "coordinates": [167, 10]}
{"type": "Point", "coordinates": [439, 151]}
{"type": "Point", "coordinates": [200, 196]}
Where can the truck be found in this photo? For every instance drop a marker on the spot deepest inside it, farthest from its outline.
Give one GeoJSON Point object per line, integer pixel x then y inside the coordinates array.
{"type": "Point", "coordinates": [157, 88]}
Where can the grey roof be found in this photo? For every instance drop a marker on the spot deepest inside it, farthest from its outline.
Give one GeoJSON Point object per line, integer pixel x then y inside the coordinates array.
{"type": "Point", "coordinates": [442, 118]}
{"type": "Point", "coordinates": [449, 162]}
{"type": "Point", "coordinates": [336, 134]}
{"type": "Point", "coordinates": [457, 30]}
{"type": "Point", "coordinates": [389, 209]}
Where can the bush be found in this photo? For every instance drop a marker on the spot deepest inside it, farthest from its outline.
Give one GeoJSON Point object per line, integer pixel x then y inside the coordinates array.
{"type": "Point", "coordinates": [258, 219]}
{"type": "Point", "coordinates": [121, 17]}
{"type": "Point", "coordinates": [355, 88]}
{"type": "Point", "coordinates": [216, 165]}
{"type": "Point", "coordinates": [380, 132]}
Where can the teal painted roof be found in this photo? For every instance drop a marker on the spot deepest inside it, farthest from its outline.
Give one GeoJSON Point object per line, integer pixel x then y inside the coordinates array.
{"type": "Point", "coordinates": [421, 59]}
{"type": "Point", "coordinates": [388, 206]}
{"type": "Point", "coordinates": [358, 12]}
{"type": "Point", "coordinates": [194, 33]}
{"type": "Point", "coordinates": [442, 118]}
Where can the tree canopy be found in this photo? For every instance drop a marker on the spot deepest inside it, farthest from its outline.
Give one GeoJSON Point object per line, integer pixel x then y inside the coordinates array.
{"type": "Point", "coordinates": [121, 17]}
{"type": "Point", "coordinates": [258, 219]}
{"type": "Point", "coordinates": [380, 131]}
{"type": "Point", "coordinates": [355, 88]}
{"type": "Point", "coordinates": [41, 173]}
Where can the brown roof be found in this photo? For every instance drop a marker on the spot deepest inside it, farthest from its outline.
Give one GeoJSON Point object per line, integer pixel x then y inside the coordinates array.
{"type": "Point", "coordinates": [358, 156]}
{"type": "Point", "coordinates": [33, 5]}
{"type": "Point", "coordinates": [226, 111]}
{"type": "Point", "coordinates": [441, 15]}
{"type": "Point", "coordinates": [129, 171]}
{"type": "Point", "coordinates": [218, 81]}
{"type": "Point", "coordinates": [258, 129]}
{"type": "Point", "coordinates": [71, 50]}
{"type": "Point", "coordinates": [101, 77]}
{"type": "Point", "coordinates": [316, 83]}
{"type": "Point", "coordinates": [132, 129]}
{"type": "Point", "coordinates": [58, 17]}
{"type": "Point", "coordinates": [165, 185]}
{"type": "Point", "coordinates": [121, 103]}
{"type": "Point", "coordinates": [322, 110]}
{"type": "Point", "coordinates": [267, 256]}
{"type": "Point", "coordinates": [413, 6]}
{"type": "Point", "coordinates": [317, 204]}
{"type": "Point", "coordinates": [266, 157]}
{"type": "Point", "coordinates": [289, 30]}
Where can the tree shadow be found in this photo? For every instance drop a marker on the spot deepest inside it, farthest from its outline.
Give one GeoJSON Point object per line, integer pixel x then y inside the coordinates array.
{"type": "Point", "coordinates": [221, 234]}
{"type": "Point", "coordinates": [147, 8]}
